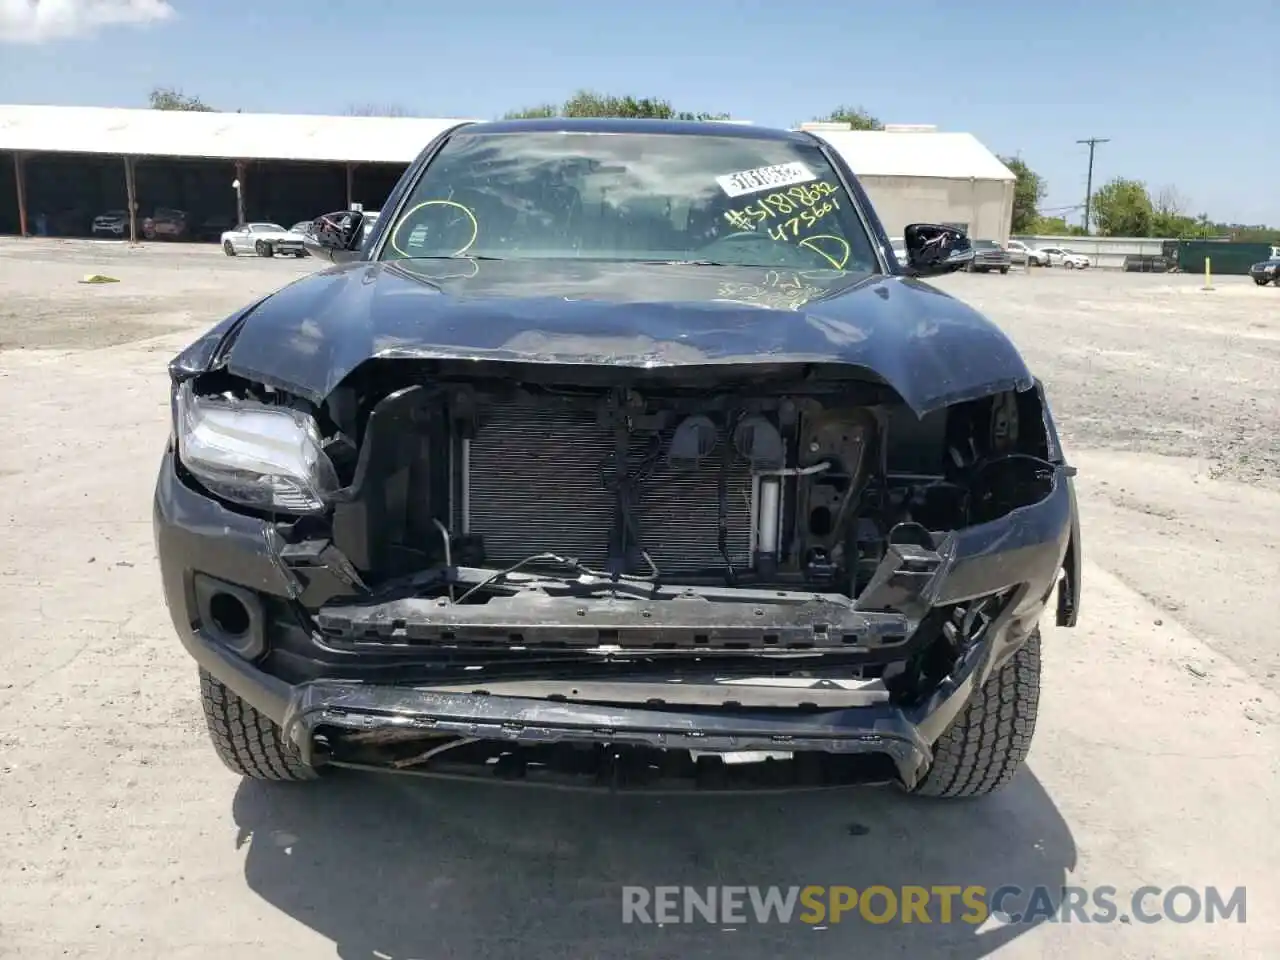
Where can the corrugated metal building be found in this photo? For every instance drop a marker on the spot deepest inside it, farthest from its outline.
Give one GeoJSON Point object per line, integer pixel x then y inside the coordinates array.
{"type": "Point", "coordinates": [916, 174]}
{"type": "Point", "coordinates": [69, 164]}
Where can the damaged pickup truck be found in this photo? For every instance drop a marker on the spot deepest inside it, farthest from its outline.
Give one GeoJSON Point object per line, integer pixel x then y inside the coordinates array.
{"type": "Point", "coordinates": [626, 454]}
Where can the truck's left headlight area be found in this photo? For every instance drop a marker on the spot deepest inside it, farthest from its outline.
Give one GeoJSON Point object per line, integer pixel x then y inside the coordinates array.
{"type": "Point", "coordinates": [266, 457]}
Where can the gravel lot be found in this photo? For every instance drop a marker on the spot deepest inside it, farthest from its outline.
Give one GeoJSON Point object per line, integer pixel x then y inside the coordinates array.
{"type": "Point", "coordinates": [1155, 761]}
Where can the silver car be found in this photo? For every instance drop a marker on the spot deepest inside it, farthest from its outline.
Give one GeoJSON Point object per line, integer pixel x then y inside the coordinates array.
{"type": "Point", "coordinates": [1022, 253]}
{"type": "Point", "coordinates": [264, 239]}
{"type": "Point", "coordinates": [114, 223]}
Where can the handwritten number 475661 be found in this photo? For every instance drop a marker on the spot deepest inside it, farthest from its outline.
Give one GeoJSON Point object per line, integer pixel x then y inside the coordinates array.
{"type": "Point", "coordinates": [790, 229]}
{"type": "Point", "coordinates": [809, 203]}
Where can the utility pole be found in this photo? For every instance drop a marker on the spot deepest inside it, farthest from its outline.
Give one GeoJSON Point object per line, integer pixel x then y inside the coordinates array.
{"type": "Point", "coordinates": [1088, 187]}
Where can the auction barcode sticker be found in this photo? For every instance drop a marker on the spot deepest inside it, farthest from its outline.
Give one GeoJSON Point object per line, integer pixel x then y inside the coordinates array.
{"type": "Point", "coordinates": [765, 178]}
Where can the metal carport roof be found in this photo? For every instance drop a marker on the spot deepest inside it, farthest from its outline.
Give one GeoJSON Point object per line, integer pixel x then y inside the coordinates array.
{"type": "Point", "coordinates": [229, 136]}
{"type": "Point", "coordinates": [916, 153]}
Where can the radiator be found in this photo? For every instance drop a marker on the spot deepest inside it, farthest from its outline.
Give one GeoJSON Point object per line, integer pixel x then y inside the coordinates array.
{"type": "Point", "coordinates": [538, 483]}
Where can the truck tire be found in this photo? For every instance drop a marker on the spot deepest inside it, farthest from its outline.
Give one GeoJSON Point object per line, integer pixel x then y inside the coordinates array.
{"type": "Point", "coordinates": [986, 744]}
{"type": "Point", "coordinates": [247, 742]}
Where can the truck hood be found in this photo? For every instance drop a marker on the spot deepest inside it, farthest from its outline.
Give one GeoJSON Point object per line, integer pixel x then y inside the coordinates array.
{"type": "Point", "coordinates": [931, 348]}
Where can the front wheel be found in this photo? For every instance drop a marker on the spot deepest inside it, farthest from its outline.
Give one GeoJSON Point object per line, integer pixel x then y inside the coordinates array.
{"type": "Point", "coordinates": [263, 249]}
{"type": "Point", "coordinates": [986, 744]}
{"type": "Point", "coordinates": [228, 249]}
{"type": "Point", "coordinates": [1069, 265]}
{"type": "Point", "coordinates": [247, 742]}
{"type": "Point", "coordinates": [1004, 270]}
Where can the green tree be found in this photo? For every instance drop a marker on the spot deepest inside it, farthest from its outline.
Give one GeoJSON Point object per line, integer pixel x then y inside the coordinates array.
{"type": "Point", "coordinates": [686, 115]}
{"type": "Point", "coordinates": [170, 98]}
{"type": "Point", "coordinates": [1054, 227]}
{"type": "Point", "coordinates": [1169, 217]}
{"type": "Point", "coordinates": [1028, 191]}
{"type": "Point", "coordinates": [1255, 234]}
{"type": "Point", "coordinates": [858, 118]}
{"type": "Point", "coordinates": [539, 112]}
{"type": "Point", "coordinates": [1123, 208]}
{"type": "Point", "coordinates": [589, 103]}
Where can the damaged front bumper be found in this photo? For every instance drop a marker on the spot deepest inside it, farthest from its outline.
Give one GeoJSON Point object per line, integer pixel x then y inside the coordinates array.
{"type": "Point", "coordinates": [337, 674]}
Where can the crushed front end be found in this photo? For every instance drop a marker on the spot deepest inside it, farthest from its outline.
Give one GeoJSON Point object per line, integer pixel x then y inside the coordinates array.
{"type": "Point", "coordinates": [753, 574]}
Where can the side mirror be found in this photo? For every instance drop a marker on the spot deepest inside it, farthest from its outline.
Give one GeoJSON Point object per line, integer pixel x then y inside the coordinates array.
{"type": "Point", "coordinates": [933, 250]}
{"type": "Point", "coordinates": [336, 236]}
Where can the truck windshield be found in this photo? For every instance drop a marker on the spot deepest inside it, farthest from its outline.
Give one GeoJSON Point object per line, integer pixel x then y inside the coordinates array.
{"type": "Point", "coordinates": [632, 197]}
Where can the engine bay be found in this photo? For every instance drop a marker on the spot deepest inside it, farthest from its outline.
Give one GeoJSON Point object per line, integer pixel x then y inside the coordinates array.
{"type": "Point", "coordinates": [779, 482]}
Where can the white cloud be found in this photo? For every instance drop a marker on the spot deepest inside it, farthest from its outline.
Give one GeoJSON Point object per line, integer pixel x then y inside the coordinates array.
{"type": "Point", "coordinates": [39, 21]}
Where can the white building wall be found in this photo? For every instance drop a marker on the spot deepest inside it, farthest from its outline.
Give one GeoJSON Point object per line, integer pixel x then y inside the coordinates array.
{"type": "Point", "coordinates": [985, 207]}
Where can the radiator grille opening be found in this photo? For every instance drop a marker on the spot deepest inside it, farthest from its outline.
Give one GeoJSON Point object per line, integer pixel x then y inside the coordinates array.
{"type": "Point", "coordinates": [538, 483]}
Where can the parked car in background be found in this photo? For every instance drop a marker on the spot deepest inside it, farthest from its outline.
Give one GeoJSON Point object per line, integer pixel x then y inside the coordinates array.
{"type": "Point", "coordinates": [264, 239]}
{"type": "Point", "coordinates": [212, 229]}
{"type": "Point", "coordinates": [1266, 271]}
{"type": "Point", "coordinates": [989, 255]}
{"type": "Point", "coordinates": [1021, 253]}
{"type": "Point", "coordinates": [165, 223]}
{"type": "Point", "coordinates": [113, 223]}
{"type": "Point", "coordinates": [302, 227]}
{"type": "Point", "coordinates": [72, 222]}
{"type": "Point", "coordinates": [1062, 257]}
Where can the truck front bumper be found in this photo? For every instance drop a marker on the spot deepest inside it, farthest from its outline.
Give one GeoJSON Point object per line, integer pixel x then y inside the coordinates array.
{"type": "Point", "coordinates": [327, 669]}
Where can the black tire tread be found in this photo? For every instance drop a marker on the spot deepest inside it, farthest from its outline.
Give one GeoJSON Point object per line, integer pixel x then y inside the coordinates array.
{"type": "Point", "coordinates": [249, 743]}
{"type": "Point", "coordinates": [986, 744]}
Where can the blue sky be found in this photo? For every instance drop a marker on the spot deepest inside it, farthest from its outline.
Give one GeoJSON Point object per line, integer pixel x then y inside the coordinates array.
{"type": "Point", "coordinates": [1187, 93]}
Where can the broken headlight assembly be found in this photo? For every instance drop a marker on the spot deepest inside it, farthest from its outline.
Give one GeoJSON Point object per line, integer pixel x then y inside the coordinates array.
{"type": "Point", "coordinates": [266, 457]}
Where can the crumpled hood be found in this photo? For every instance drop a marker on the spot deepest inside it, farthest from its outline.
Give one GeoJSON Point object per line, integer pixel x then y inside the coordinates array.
{"type": "Point", "coordinates": [933, 349]}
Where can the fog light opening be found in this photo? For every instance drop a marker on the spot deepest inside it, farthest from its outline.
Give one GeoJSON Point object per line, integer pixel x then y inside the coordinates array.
{"type": "Point", "coordinates": [229, 615]}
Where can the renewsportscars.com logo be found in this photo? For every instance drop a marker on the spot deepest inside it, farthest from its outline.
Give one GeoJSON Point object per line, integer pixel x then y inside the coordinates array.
{"type": "Point", "coordinates": [943, 904]}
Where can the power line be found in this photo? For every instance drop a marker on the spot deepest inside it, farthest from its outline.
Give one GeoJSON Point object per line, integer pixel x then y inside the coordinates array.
{"type": "Point", "coordinates": [1088, 189]}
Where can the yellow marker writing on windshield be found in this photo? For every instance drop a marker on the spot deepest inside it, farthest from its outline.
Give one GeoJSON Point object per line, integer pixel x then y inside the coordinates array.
{"type": "Point", "coordinates": [839, 260]}
{"type": "Point", "coordinates": [791, 202]}
{"type": "Point", "coordinates": [475, 225]}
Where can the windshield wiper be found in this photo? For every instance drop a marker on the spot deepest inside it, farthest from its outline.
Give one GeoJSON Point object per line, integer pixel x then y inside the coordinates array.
{"type": "Point", "coordinates": [690, 263]}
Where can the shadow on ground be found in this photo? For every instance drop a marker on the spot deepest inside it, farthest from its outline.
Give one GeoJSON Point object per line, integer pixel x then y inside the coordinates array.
{"type": "Point", "coordinates": [400, 868]}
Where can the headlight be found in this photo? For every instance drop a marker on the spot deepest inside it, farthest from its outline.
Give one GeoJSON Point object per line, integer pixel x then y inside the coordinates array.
{"type": "Point", "coordinates": [265, 457]}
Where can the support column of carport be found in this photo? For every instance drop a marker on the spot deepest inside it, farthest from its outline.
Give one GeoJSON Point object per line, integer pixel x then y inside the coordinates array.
{"type": "Point", "coordinates": [240, 192]}
{"type": "Point", "coordinates": [131, 196]}
{"type": "Point", "coordinates": [21, 183]}
{"type": "Point", "coordinates": [351, 181]}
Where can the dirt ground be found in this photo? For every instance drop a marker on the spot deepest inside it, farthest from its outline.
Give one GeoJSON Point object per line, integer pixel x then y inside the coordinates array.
{"type": "Point", "coordinates": [1155, 759]}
